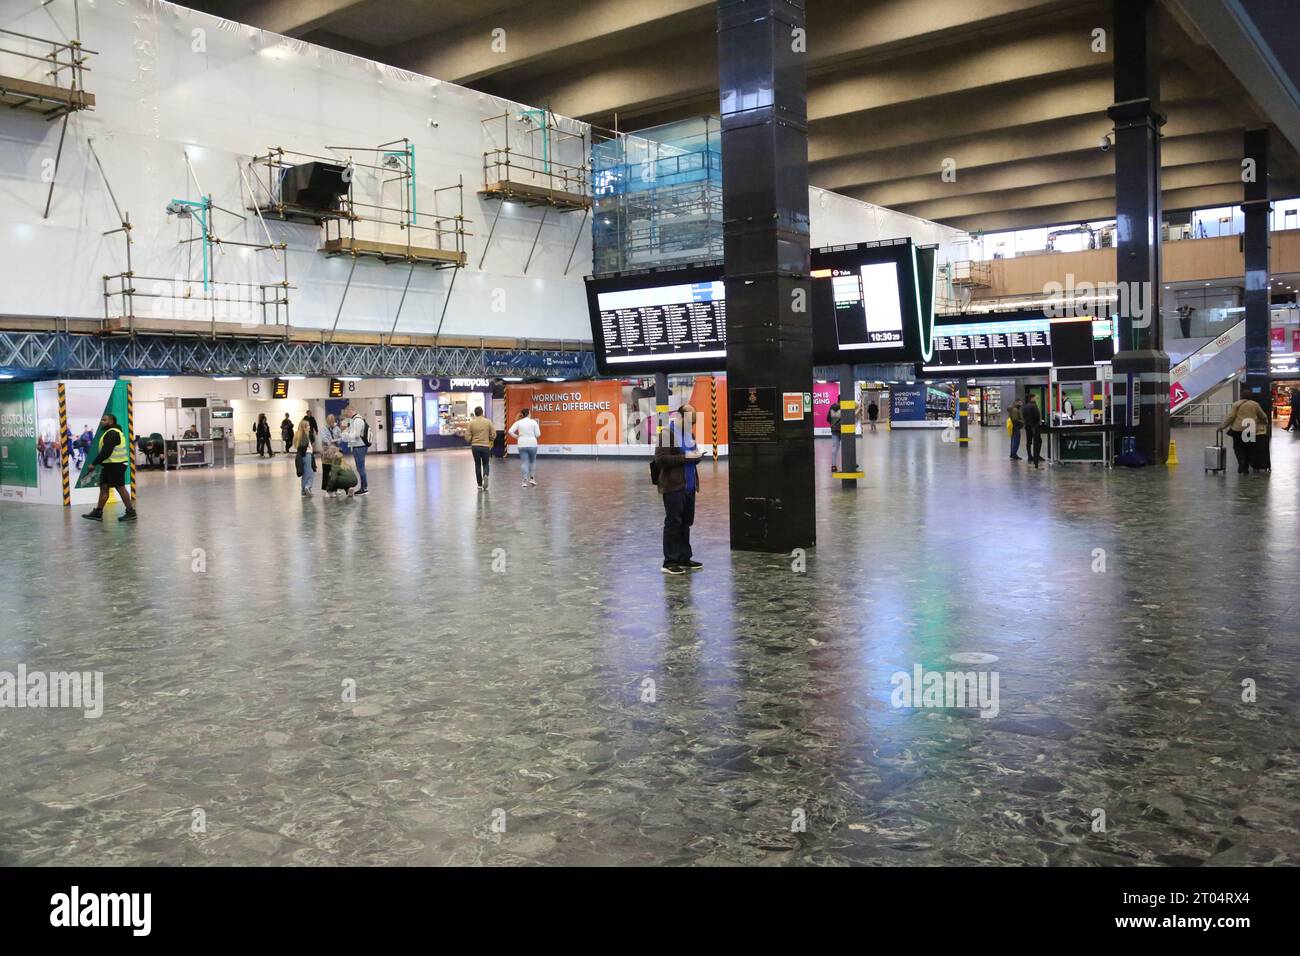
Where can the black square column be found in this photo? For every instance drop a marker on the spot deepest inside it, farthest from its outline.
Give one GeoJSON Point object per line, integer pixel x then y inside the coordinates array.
{"type": "Point", "coordinates": [1143, 411]}
{"type": "Point", "coordinates": [1255, 241]}
{"type": "Point", "coordinates": [763, 81]}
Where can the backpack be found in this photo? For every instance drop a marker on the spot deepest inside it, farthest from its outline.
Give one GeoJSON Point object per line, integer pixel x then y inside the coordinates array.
{"type": "Point", "coordinates": [654, 471]}
{"type": "Point", "coordinates": [365, 433]}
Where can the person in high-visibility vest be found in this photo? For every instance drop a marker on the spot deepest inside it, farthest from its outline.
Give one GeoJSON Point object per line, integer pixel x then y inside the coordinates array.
{"type": "Point", "coordinates": [112, 460]}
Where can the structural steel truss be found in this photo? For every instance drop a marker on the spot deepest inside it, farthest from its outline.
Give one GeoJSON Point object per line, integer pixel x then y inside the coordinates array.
{"type": "Point", "coordinates": [76, 354]}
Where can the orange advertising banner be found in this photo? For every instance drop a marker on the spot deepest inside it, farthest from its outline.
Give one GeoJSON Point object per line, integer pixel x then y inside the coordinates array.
{"type": "Point", "coordinates": [570, 413]}
{"type": "Point", "coordinates": [710, 406]}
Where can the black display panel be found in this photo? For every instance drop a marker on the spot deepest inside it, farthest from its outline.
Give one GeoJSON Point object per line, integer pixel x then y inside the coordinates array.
{"type": "Point", "coordinates": [1027, 342]}
{"type": "Point", "coordinates": [868, 305]}
{"type": "Point", "coordinates": [672, 320]}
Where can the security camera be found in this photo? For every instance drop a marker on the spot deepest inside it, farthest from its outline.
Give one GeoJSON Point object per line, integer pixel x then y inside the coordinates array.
{"type": "Point", "coordinates": [1105, 143]}
{"type": "Point", "coordinates": [433, 124]}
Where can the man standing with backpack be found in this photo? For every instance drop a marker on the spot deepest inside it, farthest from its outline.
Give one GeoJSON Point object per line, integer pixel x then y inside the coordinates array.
{"type": "Point", "coordinates": [357, 434]}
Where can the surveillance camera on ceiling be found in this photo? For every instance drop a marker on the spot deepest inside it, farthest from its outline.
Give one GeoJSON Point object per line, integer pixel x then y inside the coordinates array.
{"type": "Point", "coordinates": [1105, 143]}
{"type": "Point", "coordinates": [433, 124]}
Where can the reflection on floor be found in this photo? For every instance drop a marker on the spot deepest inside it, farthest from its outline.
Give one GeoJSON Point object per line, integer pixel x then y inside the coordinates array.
{"type": "Point", "coordinates": [530, 689]}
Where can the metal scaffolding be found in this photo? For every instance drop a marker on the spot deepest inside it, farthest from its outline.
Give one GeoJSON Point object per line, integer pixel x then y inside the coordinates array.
{"type": "Point", "coordinates": [59, 354]}
{"type": "Point", "coordinates": [547, 166]}
{"type": "Point", "coordinates": [434, 238]}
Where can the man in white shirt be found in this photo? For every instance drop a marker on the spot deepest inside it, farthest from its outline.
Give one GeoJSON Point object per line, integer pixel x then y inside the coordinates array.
{"type": "Point", "coordinates": [354, 434]}
{"type": "Point", "coordinates": [527, 432]}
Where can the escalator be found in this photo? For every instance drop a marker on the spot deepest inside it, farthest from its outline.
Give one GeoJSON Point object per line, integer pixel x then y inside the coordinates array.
{"type": "Point", "coordinates": [1208, 367]}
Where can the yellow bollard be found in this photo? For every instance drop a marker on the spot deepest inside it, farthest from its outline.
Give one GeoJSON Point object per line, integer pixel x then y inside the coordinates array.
{"type": "Point", "coordinates": [1173, 453]}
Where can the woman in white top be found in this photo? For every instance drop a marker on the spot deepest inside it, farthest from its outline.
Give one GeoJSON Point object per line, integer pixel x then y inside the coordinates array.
{"type": "Point", "coordinates": [526, 432]}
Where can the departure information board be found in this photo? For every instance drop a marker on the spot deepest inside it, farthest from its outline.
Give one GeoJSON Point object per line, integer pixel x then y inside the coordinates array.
{"type": "Point", "coordinates": [1009, 341]}
{"type": "Point", "coordinates": [670, 321]}
{"type": "Point", "coordinates": [872, 303]}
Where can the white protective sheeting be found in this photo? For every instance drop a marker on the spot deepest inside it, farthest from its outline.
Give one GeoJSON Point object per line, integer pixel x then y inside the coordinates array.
{"type": "Point", "coordinates": [168, 81]}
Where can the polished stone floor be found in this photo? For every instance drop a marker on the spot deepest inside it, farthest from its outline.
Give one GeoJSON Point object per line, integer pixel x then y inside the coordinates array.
{"type": "Point", "coordinates": [530, 689]}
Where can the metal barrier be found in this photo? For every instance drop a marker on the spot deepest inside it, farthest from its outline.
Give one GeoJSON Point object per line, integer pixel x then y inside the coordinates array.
{"type": "Point", "coordinates": [1202, 413]}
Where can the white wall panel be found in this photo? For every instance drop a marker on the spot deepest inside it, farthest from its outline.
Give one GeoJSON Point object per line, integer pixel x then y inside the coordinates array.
{"type": "Point", "coordinates": [241, 93]}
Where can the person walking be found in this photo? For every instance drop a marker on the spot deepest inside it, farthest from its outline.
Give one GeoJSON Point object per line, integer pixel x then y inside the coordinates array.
{"type": "Point", "coordinates": [676, 456]}
{"type": "Point", "coordinates": [1017, 421]}
{"type": "Point", "coordinates": [480, 433]}
{"type": "Point", "coordinates": [1249, 453]}
{"type": "Point", "coordinates": [112, 461]}
{"type": "Point", "coordinates": [305, 459]}
{"type": "Point", "coordinates": [286, 432]}
{"type": "Point", "coordinates": [1032, 416]}
{"type": "Point", "coordinates": [833, 420]}
{"type": "Point", "coordinates": [527, 433]}
{"type": "Point", "coordinates": [357, 436]}
{"type": "Point", "coordinates": [263, 432]}
{"type": "Point", "coordinates": [330, 436]}
{"type": "Point", "coordinates": [873, 413]}
{"type": "Point", "coordinates": [1293, 424]}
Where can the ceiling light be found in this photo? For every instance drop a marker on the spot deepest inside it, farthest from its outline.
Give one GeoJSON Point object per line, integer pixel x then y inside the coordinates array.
{"type": "Point", "coordinates": [227, 378]}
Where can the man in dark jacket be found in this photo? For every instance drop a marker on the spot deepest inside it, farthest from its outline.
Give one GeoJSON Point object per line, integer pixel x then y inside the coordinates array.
{"type": "Point", "coordinates": [677, 455]}
{"type": "Point", "coordinates": [1033, 417]}
{"type": "Point", "coordinates": [1017, 420]}
{"type": "Point", "coordinates": [286, 432]}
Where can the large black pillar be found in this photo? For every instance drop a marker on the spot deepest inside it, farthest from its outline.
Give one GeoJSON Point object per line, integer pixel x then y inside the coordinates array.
{"type": "Point", "coordinates": [762, 77]}
{"type": "Point", "coordinates": [1255, 246]}
{"type": "Point", "coordinates": [1141, 368]}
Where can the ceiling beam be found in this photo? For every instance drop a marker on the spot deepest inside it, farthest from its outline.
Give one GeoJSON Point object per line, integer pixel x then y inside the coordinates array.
{"type": "Point", "coordinates": [1057, 167]}
{"type": "Point", "coordinates": [1002, 146]}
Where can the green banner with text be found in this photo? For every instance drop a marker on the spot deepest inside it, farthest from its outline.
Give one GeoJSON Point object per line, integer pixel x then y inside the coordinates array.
{"type": "Point", "coordinates": [18, 434]}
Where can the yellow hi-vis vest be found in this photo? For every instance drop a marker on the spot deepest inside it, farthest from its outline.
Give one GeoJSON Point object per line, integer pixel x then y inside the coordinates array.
{"type": "Point", "coordinates": [118, 455]}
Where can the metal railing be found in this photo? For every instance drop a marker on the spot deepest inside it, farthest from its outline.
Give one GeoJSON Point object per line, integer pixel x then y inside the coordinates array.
{"type": "Point", "coordinates": [68, 57]}
{"type": "Point", "coordinates": [1203, 413]}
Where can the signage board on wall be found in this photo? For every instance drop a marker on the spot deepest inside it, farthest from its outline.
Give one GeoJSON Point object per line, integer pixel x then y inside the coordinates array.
{"type": "Point", "coordinates": [907, 402]}
{"type": "Point", "coordinates": [515, 363]}
{"type": "Point", "coordinates": [336, 388]}
{"type": "Point", "coordinates": [18, 440]}
{"type": "Point", "coordinates": [280, 388]}
{"type": "Point", "coordinates": [575, 414]}
{"type": "Point", "coordinates": [754, 416]}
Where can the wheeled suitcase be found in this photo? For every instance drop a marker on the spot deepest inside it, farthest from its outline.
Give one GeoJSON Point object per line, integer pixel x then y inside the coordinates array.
{"type": "Point", "coordinates": [1216, 456]}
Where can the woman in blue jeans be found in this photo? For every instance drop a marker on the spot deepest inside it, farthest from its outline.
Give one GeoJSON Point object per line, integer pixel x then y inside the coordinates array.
{"type": "Point", "coordinates": [527, 432]}
{"type": "Point", "coordinates": [306, 460]}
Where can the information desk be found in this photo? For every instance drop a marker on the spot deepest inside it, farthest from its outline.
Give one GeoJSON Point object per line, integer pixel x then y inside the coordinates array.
{"type": "Point", "coordinates": [1089, 443]}
{"type": "Point", "coordinates": [188, 452]}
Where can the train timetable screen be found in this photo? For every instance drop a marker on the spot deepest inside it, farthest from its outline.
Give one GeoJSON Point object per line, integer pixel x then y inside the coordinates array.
{"type": "Point", "coordinates": [667, 323]}
{"type": "Point", "coordinates": [972, 345]}
{"type": "Point", "coordinates": [868, 310]}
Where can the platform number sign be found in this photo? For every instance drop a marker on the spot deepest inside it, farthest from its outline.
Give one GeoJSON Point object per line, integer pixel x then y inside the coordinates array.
{"type": "Point", "coordinates": [280, 388]}
{"type": "Point", "coordinates": [256, 388]}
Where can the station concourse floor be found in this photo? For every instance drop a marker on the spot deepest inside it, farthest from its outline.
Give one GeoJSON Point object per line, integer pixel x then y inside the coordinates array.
{"type": "Point", "coordinates": [521, 690]}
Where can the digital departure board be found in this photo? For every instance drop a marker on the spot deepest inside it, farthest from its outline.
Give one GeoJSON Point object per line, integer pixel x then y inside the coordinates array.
{"type": "Point", "coordinates": [1011, 341]}
{"type": "Point", "coordinates": [669, 320]}
{"type": "Point", "coordinates": [872, 302]}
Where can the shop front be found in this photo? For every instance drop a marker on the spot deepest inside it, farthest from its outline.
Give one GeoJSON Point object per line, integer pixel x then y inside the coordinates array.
{"type": "Point", "coordinates": [449, 404]}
